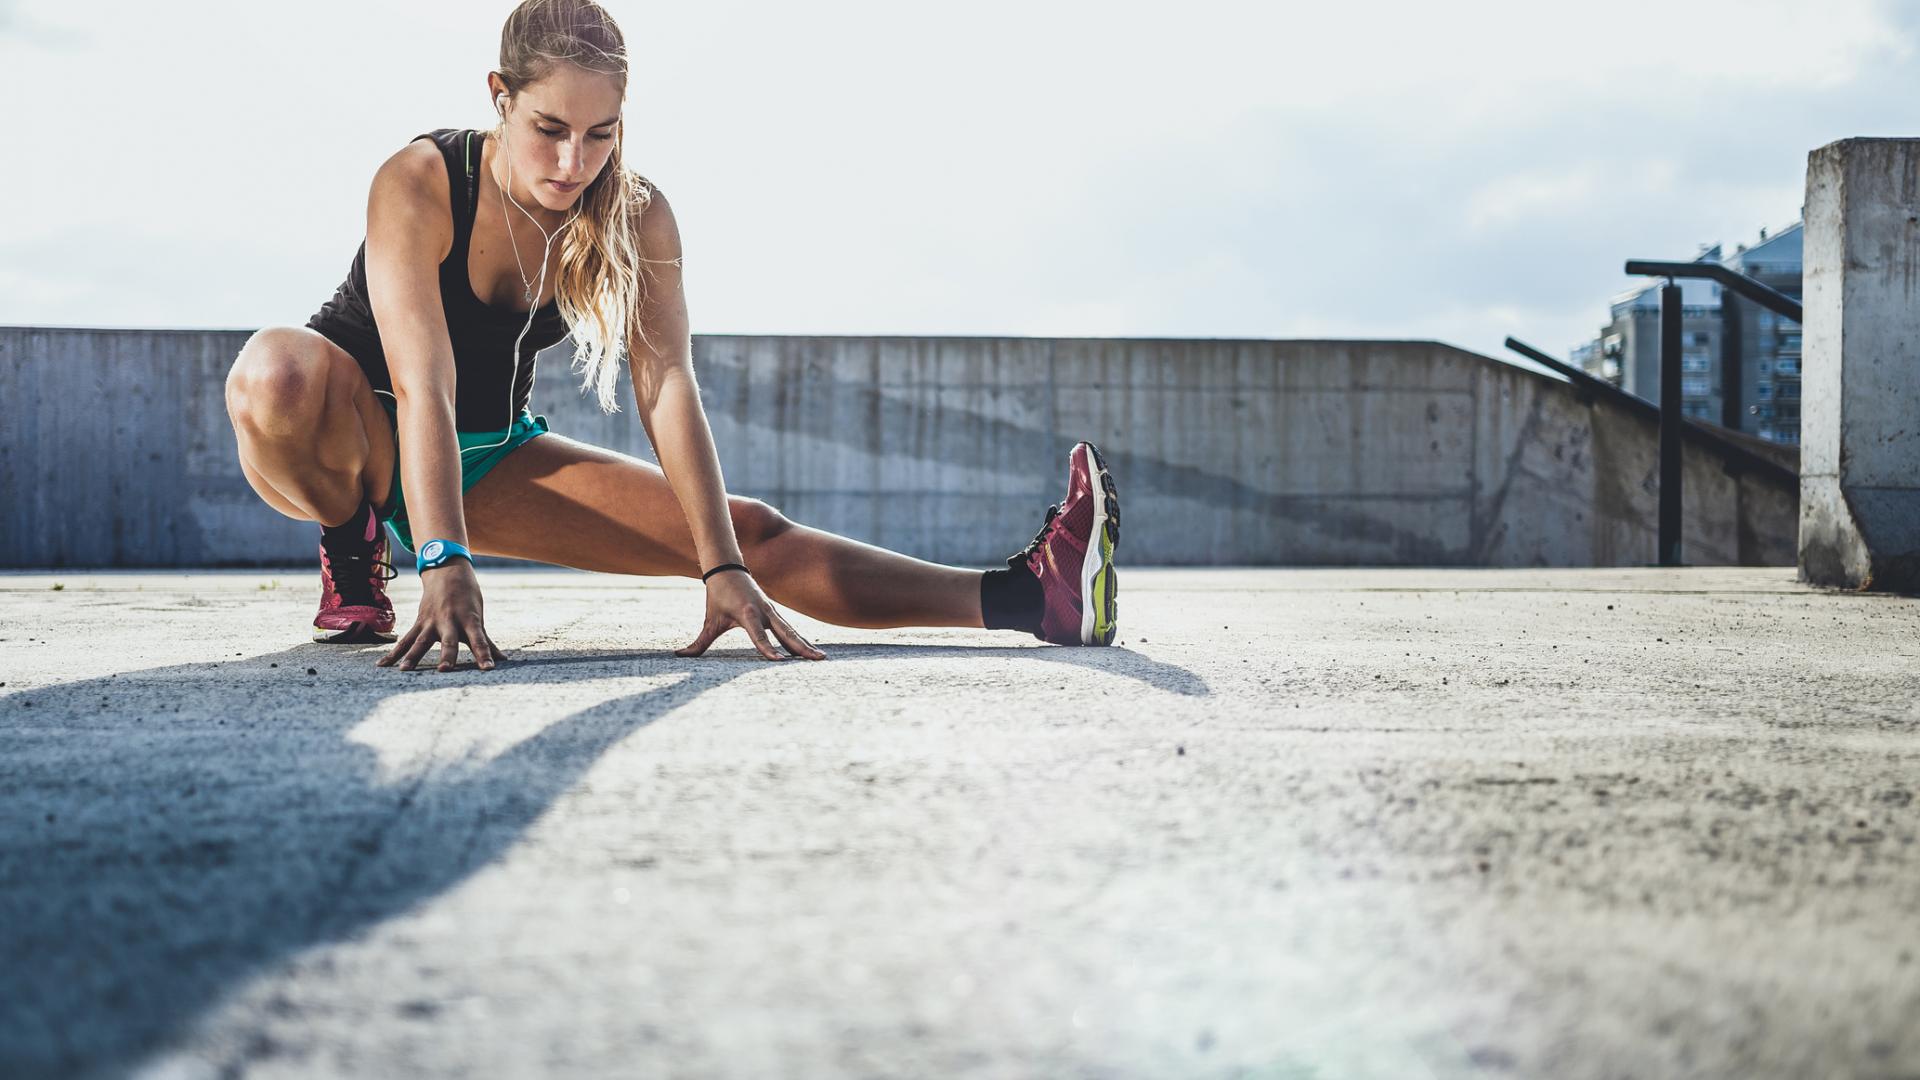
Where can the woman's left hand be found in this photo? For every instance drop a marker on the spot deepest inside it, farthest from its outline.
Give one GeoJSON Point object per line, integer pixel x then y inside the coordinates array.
{"type": "Point", "coordinates": [734, 599]}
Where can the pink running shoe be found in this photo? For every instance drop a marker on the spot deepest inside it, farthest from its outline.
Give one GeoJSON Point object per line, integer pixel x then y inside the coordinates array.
{"type": "Point", "coordinates": [354, 608]}
{"type": "Point", "coordinates": [1072, 556]}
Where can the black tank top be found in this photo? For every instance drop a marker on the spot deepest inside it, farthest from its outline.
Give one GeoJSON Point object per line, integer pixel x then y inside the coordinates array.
{"type": "Point", "coordinates": [481, 334]}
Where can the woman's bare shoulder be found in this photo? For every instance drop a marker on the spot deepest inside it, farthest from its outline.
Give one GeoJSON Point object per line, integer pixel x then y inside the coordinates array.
{"type": "Point", "coordinates": [410, 191]}
{"type": "Point", "coordinates": [658, 233]}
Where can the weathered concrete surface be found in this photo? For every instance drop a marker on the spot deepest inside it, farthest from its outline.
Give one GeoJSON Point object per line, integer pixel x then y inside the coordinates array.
{"type": "Point", "coordinates": [1303, 824]}
{"type": "Point", "coordinates": [1860, 431]}
{"type": "Point", "coordinates": [1230, 451]}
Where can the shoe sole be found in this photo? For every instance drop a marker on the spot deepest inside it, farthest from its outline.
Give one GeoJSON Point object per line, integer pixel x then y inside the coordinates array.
{"type": "Point", "coordinates": [358, 633]}
{"type": "Point", "coordinates": [1099, 613]}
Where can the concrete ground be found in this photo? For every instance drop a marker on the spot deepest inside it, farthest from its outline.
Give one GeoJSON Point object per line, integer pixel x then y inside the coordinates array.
{"type": "Point", "coordinates": [1299, 824]}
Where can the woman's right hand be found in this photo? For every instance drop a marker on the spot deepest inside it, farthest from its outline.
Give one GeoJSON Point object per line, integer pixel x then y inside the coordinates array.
{"type": "Point", "coordinates": [450, 613]}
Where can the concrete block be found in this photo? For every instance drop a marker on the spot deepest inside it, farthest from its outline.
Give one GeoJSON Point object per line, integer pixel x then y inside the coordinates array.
{"type": "Point", "coordinates": [1860, 424]}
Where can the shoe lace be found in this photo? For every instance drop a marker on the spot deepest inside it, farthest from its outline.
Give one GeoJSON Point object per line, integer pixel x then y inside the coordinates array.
{"type": "Point", "coordinates": [354, 574]}
{"type": "Point", "coordinates": [1038, 538]}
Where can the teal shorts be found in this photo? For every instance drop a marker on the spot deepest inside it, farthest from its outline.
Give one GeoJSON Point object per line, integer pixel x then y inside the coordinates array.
{"type": "Point", "coordinates": [474, 463]}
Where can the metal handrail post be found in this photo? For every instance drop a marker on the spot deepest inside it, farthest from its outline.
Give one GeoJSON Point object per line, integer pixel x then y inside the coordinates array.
{"type": "Point", "coordinates": [1670, 422]}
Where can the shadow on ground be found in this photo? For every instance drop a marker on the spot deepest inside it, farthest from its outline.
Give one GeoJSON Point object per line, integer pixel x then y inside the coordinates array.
{"type": "Point", "coordinates": [166, 834]}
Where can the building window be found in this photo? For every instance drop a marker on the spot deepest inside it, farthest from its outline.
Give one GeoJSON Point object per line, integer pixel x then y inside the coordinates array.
{"type": "Point", "coordinates": [1763, 391]}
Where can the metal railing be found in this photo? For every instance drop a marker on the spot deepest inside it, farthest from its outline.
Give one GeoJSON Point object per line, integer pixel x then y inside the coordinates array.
{"type": "Point", "coordinates": [1672, 420]}
{"type": "Point", "coordinates": [1588, 386]}
{"type": "Point", "coordinates": [1765, 295]}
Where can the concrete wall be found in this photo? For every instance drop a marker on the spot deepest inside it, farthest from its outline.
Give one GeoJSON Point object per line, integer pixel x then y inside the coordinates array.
{"type": "Point", "coordinates": [117, 451]}
{"type": "Point", "coordinates": [1860, 422]}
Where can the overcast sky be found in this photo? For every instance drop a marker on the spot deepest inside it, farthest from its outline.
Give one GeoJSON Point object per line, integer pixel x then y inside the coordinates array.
{"type": "Point", "coordinates": [1457, 171]}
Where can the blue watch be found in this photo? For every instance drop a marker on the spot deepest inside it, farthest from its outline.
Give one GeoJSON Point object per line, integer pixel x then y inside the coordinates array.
{"type": "Point", "coordinates": [438, 553]}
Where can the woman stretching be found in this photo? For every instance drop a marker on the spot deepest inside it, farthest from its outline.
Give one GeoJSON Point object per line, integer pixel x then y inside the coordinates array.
{"type": "Point", "coordinates": [484, 247]}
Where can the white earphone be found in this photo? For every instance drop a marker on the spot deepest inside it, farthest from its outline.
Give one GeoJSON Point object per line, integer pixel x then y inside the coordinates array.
{"type": "Point", "coordinates": [532, 292]}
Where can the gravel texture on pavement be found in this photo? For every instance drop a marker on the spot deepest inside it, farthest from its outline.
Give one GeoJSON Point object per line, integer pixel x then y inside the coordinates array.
{"type": "Point", "coordinates": [1297, 823]}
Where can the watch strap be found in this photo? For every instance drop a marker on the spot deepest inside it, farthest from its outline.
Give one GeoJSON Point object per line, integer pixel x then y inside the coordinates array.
{"type": "Point", "coordinates": [440, 552]}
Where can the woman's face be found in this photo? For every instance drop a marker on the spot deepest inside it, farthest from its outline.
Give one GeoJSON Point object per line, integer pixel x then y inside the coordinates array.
{"type": "Point", "coordinates": [560, 133]}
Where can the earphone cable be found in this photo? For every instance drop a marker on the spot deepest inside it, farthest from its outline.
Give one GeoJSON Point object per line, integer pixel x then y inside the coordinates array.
{"type": "Point", "coordinates": [531, 292]}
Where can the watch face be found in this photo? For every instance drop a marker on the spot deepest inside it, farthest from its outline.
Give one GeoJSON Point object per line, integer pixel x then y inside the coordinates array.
{"type": "Point", "coordinates": [432, 550]}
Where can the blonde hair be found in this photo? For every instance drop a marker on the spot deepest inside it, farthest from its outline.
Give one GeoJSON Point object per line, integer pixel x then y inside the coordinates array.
{"type": "Point", "coordinates": [601, 282]}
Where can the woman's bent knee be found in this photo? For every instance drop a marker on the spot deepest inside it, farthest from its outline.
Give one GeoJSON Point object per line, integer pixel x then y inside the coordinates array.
{"type": "Point", "coordinates": [754, 522]}
{"type": "Point", "coordinates": [279, 383]}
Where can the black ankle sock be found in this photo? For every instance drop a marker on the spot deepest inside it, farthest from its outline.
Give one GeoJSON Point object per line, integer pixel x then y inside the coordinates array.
{"type": "Point", "coordinates": [1011, 599]}
{"type": "Point", "coordinates": [349, 532]}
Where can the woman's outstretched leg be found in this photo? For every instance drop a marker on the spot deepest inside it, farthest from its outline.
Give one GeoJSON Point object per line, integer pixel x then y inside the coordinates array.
{"type": "Point", "coordinates": [831, 578]}
{"type": "Point", "coordinates": [558, 501]}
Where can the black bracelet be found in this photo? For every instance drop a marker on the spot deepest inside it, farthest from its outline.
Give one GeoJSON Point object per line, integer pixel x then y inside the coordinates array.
{"type": "Point", "coordinates": [726, 566]}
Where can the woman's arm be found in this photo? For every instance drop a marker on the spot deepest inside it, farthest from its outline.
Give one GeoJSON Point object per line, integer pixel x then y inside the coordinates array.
{"type": "Point", "coordinates": [409, 232]}
{"type": "Point", "coordinates": [676, 424]}
{"type": "Point", "coordinates": [669, 398]}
